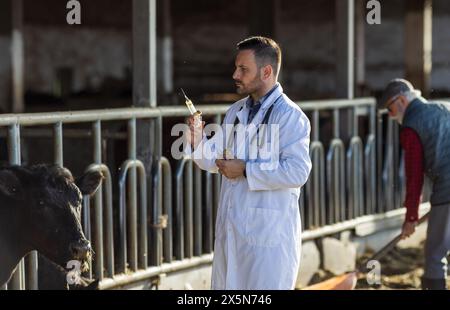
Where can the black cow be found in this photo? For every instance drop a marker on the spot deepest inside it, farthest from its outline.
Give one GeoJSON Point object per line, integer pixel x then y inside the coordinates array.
{"type": "Point", "coordinates": [40, 210]}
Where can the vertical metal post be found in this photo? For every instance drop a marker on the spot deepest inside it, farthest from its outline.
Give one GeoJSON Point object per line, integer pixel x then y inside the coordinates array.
{"type": "Point", "coordinates": [87, 225]}
{"type": "Point", "coordinates": [379, 150]}
{"type": "Point", "coordinates": [155, 240]}
{"type": "Point", "coordinates": [17, 47]}
{"type": "Point", "coordinates": [360, 48]}
{"type": "Point", "coordinates": [132, 209]}
{"type": "Point", "coordinates": [144, 95]}
{"type": "Point", "coordinates": [315, 126]}
{"type": "Point", "coordinates": [17, 281]}
{"type": "Point", "coordinates": [198, 227]}
{"type": "Point", "coordinates": [58, 151]}
{"type": "Point", "coordinates": [336, 131]}
{"type": "Point", "coordinates": [58, 144]}
{"type": "Point", "coordinates": [144, 52]}
{"type": "Point", "coordinates": [418, 43]}
{"type": "Point", "coordinates": [178, 244]}
{"type": "Point", "coordinates": [189, 214]}
{"type": "Point", "coordinates": [109, 223]}
{"type": "Point", "coordinates": [208, 214]}
{"type": "Point", "coordinates": [98, 240]}
{"type": "Point", "coordinates": [370, 163]}
{"type": "Point", "coordinates": [167, 210]}
{"type": "Point", "coordinates": [345, 58]}
{"type": "Point", "coordinates": [355, 121]}
{"type": "Point", "coordinates": [345, 12]}
{"type": "Point", "coordinates": [396, 165]}
{"type": "Point", "coordinates": [165, 47]}
{"type": "Point", "coordinates": [143, 248]}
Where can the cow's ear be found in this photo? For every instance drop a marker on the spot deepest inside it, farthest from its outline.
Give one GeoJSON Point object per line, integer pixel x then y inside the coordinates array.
{"type": "Point", "coordinates": [89, 182]}
{"type": "Point", "coordinates": [9, 183]}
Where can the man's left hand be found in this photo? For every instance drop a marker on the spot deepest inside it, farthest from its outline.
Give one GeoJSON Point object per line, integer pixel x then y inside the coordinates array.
{"type": "Point", "coordinates": [408, 229]}
{"type": "Point", "coordinates": [231, 168]}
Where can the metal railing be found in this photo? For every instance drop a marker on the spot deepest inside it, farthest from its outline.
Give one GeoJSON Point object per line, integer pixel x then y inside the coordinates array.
{"type": "Point", "coordinates": [139, 238]}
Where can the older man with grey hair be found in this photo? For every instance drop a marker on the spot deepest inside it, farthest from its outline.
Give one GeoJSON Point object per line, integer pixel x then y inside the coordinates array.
{"type": "Point", "coordinates": [425, 139]}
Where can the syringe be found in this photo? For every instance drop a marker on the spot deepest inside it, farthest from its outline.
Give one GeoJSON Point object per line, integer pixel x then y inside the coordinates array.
{"type": "Point", "coordinates": [190, 105]}
{"type": "Point", "coordinates": [192, 109]}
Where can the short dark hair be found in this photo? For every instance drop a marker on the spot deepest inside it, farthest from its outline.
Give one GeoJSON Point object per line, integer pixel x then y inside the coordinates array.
{"type": "Point", "coordinates": [267, 51]}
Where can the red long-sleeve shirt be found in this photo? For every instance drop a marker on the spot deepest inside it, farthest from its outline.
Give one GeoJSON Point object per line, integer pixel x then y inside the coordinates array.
{"type": "Point", "coordinates": [414, 171]}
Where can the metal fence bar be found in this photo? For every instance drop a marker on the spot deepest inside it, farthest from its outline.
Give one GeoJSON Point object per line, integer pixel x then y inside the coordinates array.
{"type": "Point", "coordinates": [155, 238]}
{"type": "Point", "coordinates": [107, 218]}
{"type": "Point", "coordinates": [208, 209]}
{"type": "Point", "coordinates": [198, 227]}
{"type": "Point", "coordinates": [315, 187]}
{"type": "Point", "coordinates": [132, 206]}
{"type": "Point", "coordinates": [87, 226]}
{"type": "Point", "coordinates": [17, 280]}
{"type": "Point", "coordinates": [58, 147]}
{"type": "Point", "coordinates": [128, 224]}
{"type": "Point", "coordinates": [178, 243]}
{"type": "Point", "coordinates": [370, 174]}
{"type": "Point", "coordinates": [162, 191]}
{"type": "Point", "coordinates": [336, 181]}
{"type": "Point", "coordinates": [396, 171]}
{"type": "Point", "coordinates": [125, 114]}
{"type": "Point", "coordinates": [167, 233]}
{"type": "Point", "coordinates": [379, 151]}
{"type": "Point", "coordinates": [143, 211]}
{"type": "Point", "coordinates": [158, 222]}
{"type": "Point", "coordinates": [188, 194]}
{"type": "Point", "coordinates": [355, 185]}
{"type": "Point", "coordinates": [183, 246]}
{"type": "Point", "coordinates": [388, 175]}
{"type": "Point", "coordinates": [370, 163]}
{"type": "Point", "coordinates": [315, 126]}
{"type": "Point", "coordinates": [336, 124]}
{"type": "Point", "coordinates": [98, 205]}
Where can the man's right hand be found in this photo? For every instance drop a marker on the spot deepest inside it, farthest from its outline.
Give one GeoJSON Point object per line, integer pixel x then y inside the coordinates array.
{"type": "Point", "coordinates": [196, 130]}
{"type": "Point", "coordinates": [408, 229]}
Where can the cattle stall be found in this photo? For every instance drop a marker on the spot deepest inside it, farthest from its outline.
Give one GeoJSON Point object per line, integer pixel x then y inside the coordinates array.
{"type": "Point", "coordinates": [145, 222]}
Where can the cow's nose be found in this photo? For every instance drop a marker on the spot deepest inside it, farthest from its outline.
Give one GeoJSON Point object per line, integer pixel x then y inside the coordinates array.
{"type": "Point", "coordinates": [80, 250]}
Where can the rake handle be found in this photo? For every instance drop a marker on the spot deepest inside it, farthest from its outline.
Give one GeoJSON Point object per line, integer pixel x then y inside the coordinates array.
{"type": "Point", "coordinates": [384, 250]}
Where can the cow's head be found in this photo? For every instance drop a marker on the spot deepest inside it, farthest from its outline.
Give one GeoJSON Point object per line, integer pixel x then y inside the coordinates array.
{"type": "Point", "coordinates": [46, 202]}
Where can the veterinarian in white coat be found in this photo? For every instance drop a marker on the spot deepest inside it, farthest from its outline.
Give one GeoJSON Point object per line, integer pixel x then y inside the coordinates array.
{"type": "Point", "coordinates": [258, 226]}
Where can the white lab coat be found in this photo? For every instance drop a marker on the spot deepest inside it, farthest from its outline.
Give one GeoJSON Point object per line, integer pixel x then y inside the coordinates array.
{"type": "Point", "coordinates": [258, 227]}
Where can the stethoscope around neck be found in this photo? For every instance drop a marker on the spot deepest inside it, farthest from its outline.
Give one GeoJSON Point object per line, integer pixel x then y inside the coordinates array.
{"type": "Point", "coordinates": [263, 124]}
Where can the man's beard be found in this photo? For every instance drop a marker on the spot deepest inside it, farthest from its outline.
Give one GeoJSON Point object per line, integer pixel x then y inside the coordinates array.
{"type": "Point", "coordinates": [250, 88]}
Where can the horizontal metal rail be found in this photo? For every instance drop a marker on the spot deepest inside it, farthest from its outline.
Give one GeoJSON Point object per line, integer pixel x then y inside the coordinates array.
{"type": "Point", "coordinates": [33, 119]}
{"type": "Point", "coordinates": [156, 271]}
